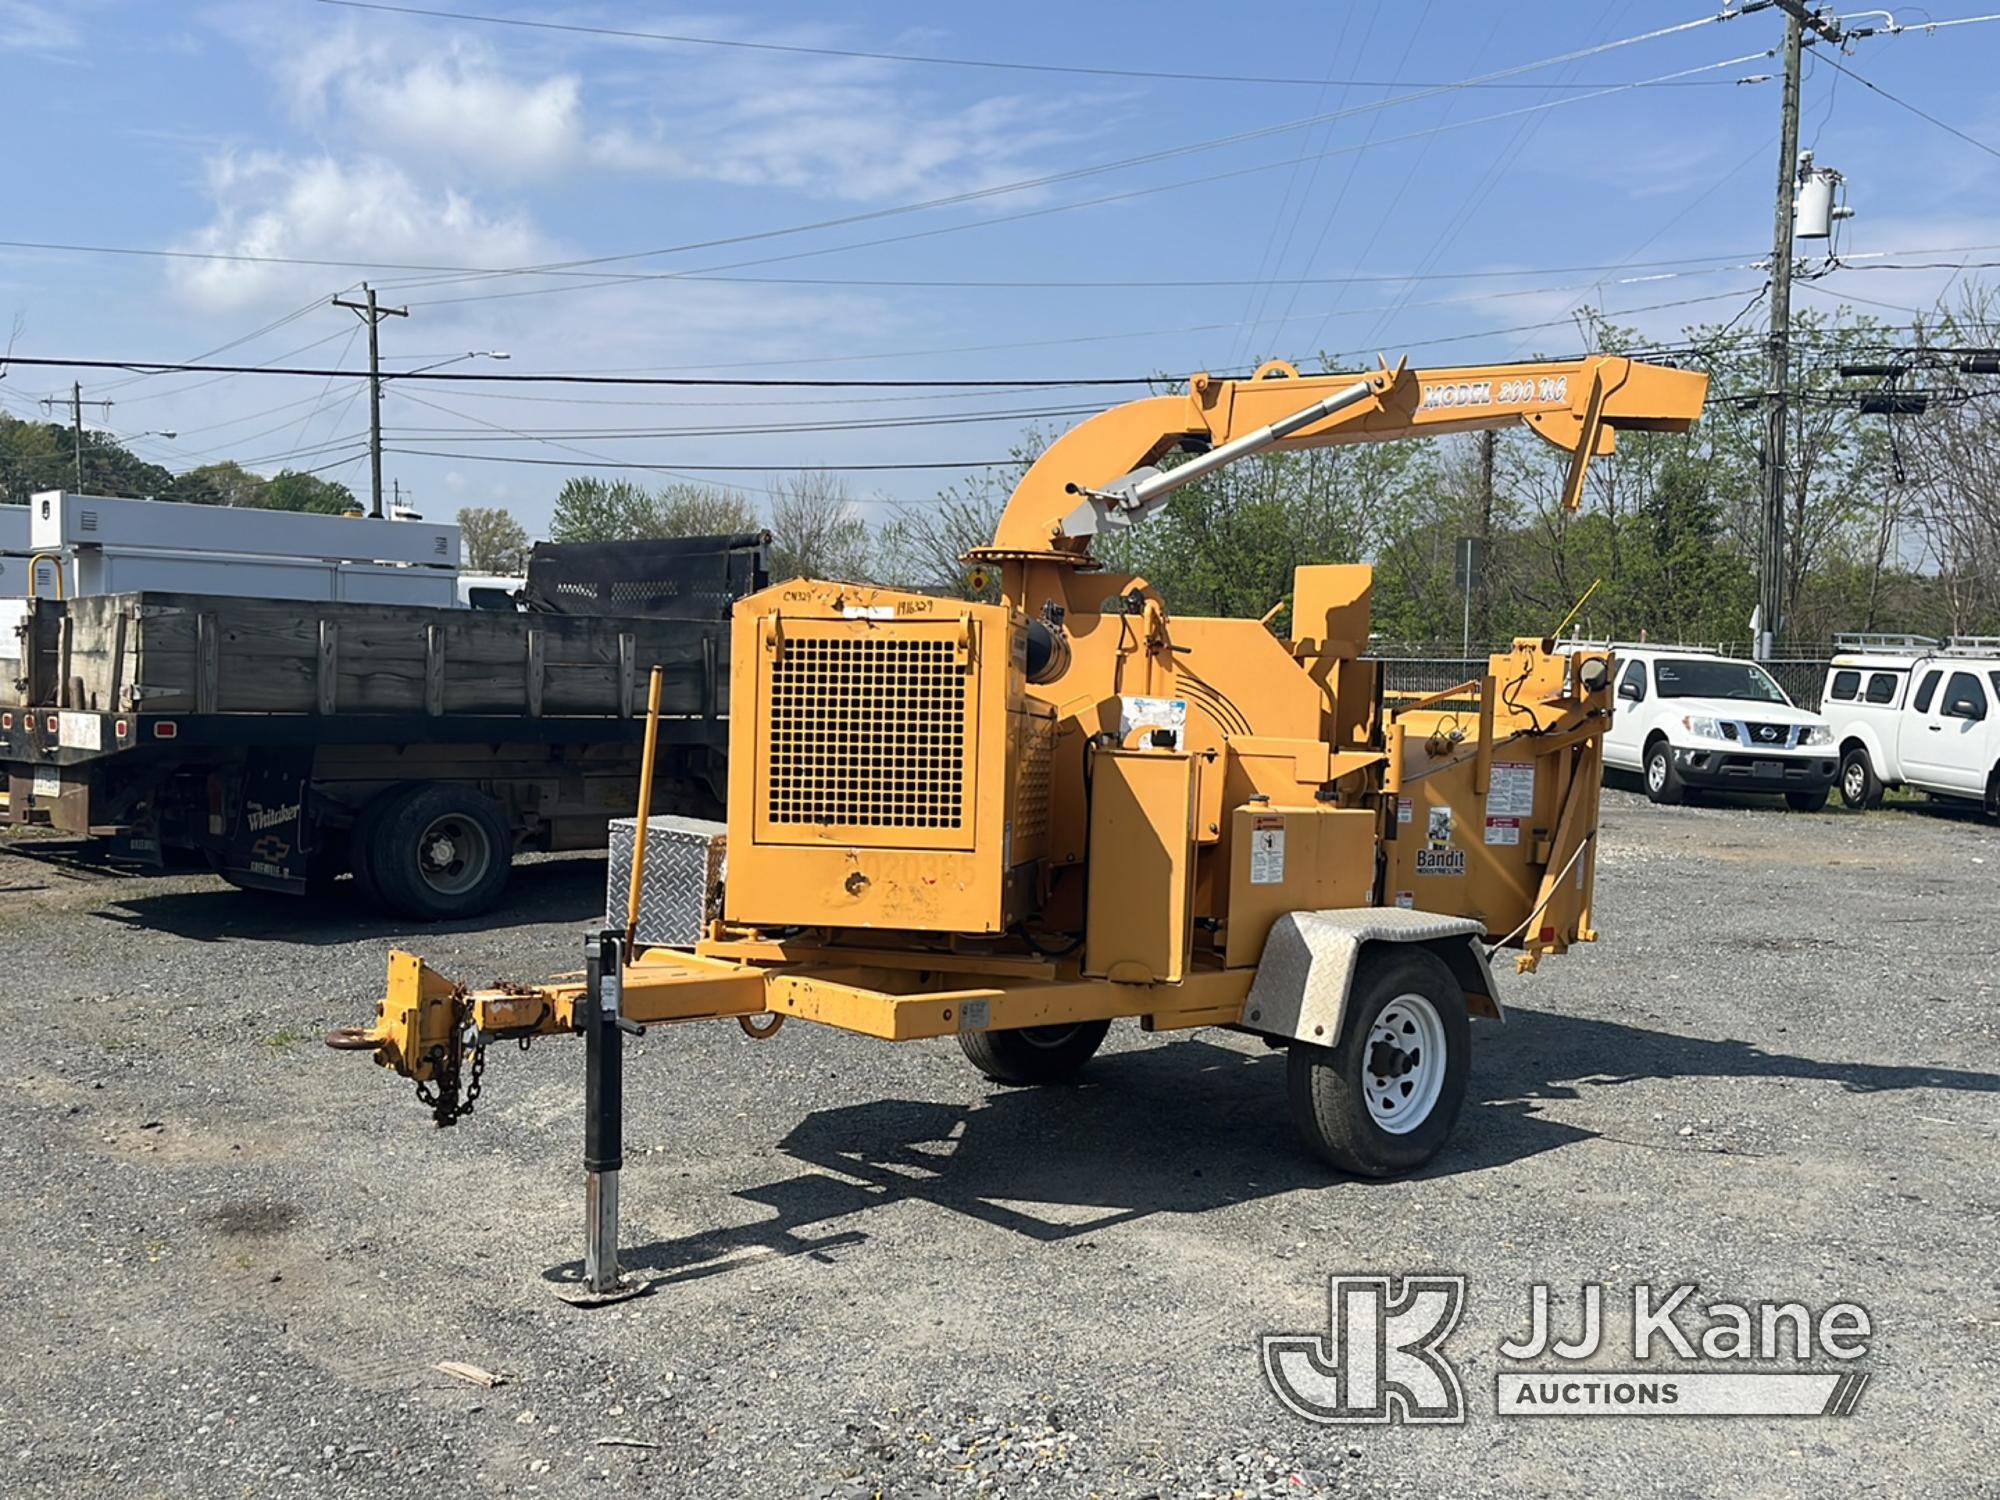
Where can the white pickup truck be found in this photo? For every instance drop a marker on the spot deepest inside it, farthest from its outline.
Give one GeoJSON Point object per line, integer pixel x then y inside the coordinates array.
{"type": "Point", "coordinates": [1908, 712]}
{"type": "Point", "coordinates": [1690, 719]}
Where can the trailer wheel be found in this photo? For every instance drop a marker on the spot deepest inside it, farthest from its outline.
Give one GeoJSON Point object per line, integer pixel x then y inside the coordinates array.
{"type": "Point", "coordinates": [1385, 1097]}
{"type": "Point", "coordinates": [1034, 1054]}
{"type": "Point", "coordinates": [1860, 787]}
{"type": "Point", "coordinates": [1663, 782]}
{"type": "Point", "coordinates": [437, 852]}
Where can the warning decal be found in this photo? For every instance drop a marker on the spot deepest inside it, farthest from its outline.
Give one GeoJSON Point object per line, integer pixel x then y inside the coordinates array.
{"type": "Point", "coordinates": [1511, 792]}
{"type": "Point", "coordinates": [1407, 900]}
{"type": "Point", "coordinates": [1405, 809]}
{"type": "Point", "coordinates": [1267, 850]}
{"type": "Point", "coordinates": [1503, 830]}
{"type": "Point", "coordinates": [1438, 829]}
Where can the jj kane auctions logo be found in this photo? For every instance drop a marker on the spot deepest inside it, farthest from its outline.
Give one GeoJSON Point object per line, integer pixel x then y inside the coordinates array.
{"type": "Point", "coordinates": [1382, 1358]}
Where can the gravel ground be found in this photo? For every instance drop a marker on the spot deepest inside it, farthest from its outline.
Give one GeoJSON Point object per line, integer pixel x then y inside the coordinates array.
{"type": "Point", "coordinates": [232, 1258]}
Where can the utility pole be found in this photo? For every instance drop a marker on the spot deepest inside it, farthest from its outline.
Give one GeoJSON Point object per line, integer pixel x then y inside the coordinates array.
{"type": "Point", "coordinates": [76, 428]}
{"type": "Point", "coordinates": [75, 424]}
{"type": "Point", "coordinates": [373, 315]}
{"type": "Point", "coordinates": [1771, 537]}
{"type": "Point", "coordinates": [1489, 442]}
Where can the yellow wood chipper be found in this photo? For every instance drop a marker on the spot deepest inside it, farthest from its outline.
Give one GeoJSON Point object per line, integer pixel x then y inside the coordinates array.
{"type": "Point", "coordinates": [1015, 823]}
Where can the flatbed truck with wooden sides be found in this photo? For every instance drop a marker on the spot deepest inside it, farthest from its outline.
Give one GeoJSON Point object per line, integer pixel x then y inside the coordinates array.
{"type": "Point", "coordinates": [290, 742]}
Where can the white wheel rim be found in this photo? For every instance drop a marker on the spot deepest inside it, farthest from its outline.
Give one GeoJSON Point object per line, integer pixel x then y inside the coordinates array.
{"type": "Point", "coordinates": [1856, 781]}
{"type": "Point", "coordinates": [1403, 1064]}
{"type": "Point", "coordinates": [1656, 771]}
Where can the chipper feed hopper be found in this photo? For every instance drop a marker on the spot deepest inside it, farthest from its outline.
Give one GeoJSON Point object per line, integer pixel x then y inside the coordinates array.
{"type": "Point", "coordinates": [1016, 823]}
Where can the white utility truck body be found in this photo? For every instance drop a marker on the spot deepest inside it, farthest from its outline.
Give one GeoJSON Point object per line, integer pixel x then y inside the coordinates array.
{"type": "Point", "coordinates": [1907, 711]}
{"type": "Point", "coordinates": [108, 545]}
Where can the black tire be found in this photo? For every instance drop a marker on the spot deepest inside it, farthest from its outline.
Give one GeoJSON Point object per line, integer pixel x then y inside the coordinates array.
{"type": "Point", "coordinates": [439, 852]}
{"type": "Point", "coordinates": [1663, 782]}
{"type": "Point", "coordinates": [1992, 806]}
{"type": "Point", "coordinates": [361, 841]}
{"type": "Point", "coordinates": [1329, 1087]}
{"type": "Point", "coordinates": [1860, 787]}
{"type": "Point", "coordinates": [1034, 1054]}
{"type": "Point", "coordinates": [1812, 801]}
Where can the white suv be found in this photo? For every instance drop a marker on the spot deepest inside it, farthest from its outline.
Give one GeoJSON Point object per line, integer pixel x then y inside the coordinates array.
{"type": "Point", "coordinates": [1698, 719]}
{"type": "Point", "coordinates": [1912, 712]}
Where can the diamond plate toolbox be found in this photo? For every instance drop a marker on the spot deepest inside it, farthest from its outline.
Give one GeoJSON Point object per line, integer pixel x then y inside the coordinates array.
{"type": "Point", "coordinates": [685, 858]}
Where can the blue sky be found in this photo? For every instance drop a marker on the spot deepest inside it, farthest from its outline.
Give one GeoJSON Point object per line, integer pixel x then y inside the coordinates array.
{"type": "Point", "coordinates": [295, 129]}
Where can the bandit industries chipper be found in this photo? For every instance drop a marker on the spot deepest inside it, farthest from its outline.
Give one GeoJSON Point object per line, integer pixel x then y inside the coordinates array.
{"type": "Point", "coordinates": [1015, 823]}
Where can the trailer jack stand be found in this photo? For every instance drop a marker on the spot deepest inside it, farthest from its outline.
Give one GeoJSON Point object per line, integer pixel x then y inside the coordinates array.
{"type": "Point", "coordinates": [603, 1128]}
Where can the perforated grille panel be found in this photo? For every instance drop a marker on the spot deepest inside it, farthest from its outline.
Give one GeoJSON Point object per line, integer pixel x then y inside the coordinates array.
{"type": "Point", "coordinates": [867, 731]}
{"type": "Point", "coordinates": [1031, 813]}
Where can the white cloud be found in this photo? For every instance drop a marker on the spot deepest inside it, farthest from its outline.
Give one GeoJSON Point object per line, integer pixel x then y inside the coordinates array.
{"type": "Point", "coordinates": [847, 140]}
{"type": "Point", "coordinates": [33, 28]}
{"type": "Point", "coordinates": [848, 129]}
{"type": "Point", "coordinates": [460, 109]}
{"type": "Point", "coordinates": [457, 105]}
{"type": "Point", "coordinates": [268, 204]}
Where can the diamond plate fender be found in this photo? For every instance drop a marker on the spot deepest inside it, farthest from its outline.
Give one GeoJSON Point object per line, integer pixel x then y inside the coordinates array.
{"type": "Point", "coordinates": [1307, 968]}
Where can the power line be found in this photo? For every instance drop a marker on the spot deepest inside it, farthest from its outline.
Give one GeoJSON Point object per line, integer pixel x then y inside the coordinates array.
{"type": "Point", "coordinates": [1254, 305]}
{"type": "Point", "coordinates": [200, 384]}
{"type": "Point", "coordinates": [897, 283]}
{"type": "Point", "coordinates": [990, 221]}
{"type": "Point", "coordinates": [1563, 322]}
{"type": "Point", "coordinates": [929, 60]}
{"type": "Point", "coordinates": [1168, 153]}
{"type": "Point", "coordinates": [905, 283]}
{"type": "Point", "coordinates": [765, 466]}
{"type": "Point", "coordinates": [619, 434]}
{"type": "Point", "coordinates": [513, 378]}
{"type": "Point", "coordinates": [1840, 67]}
{"type": "Point", "coordinates": [597, 459]}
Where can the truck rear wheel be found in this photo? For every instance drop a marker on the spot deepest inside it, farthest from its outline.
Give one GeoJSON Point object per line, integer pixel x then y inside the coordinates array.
{"type": "Point", "coordinates": [434, 852]}
{"type": "Point", "coordinates": [1385, 1097]}
{"type": "Point", "coordinates": [1034, 1054]}
{"type": "Point", "coordinates": [1860, 787]}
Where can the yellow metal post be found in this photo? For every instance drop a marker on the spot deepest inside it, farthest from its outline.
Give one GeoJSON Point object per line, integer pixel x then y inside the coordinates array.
{"type": "Point", "coordinates": [646, 761]}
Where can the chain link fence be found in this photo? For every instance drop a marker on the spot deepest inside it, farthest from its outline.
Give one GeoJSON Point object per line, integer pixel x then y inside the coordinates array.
{"type": "Point", "coordinates": [1802, 677]}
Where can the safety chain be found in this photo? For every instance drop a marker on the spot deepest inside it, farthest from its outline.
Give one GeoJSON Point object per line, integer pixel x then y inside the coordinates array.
{"type": "Point", "coordinates": [447, 1104]}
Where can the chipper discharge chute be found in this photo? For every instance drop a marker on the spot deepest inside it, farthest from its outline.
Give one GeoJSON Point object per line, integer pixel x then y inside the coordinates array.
{"type": "Point", "coordinates": [1015, 823]}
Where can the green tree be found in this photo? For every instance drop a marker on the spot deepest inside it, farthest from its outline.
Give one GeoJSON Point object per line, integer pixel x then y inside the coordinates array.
{"type": "Point", "coordinates": [599, 510]}
{"type": "Point", "coordinates": [494, 541]}
{"type": "Point", "coordinates": [617, 510]}
{"type": "Point", "coordinates": [227, 483]}
{"type": "Point", "coordinates": [291, 490]}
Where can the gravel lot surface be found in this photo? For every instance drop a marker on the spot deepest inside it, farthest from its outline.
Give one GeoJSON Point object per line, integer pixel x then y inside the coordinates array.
{"type": "Point", "coordinates": [232, 1258]}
